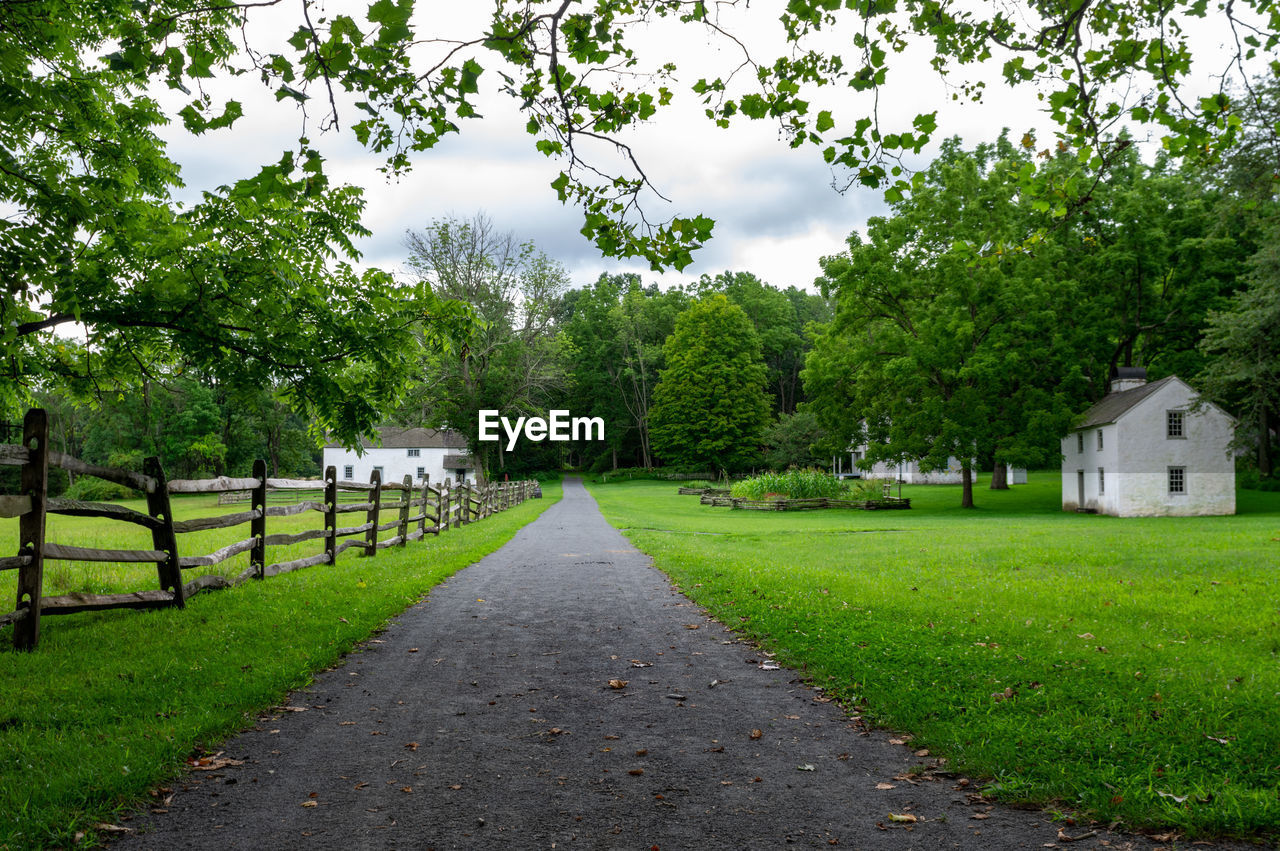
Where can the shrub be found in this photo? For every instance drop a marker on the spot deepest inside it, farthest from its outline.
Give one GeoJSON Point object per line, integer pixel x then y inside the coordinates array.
{"type": "Point", "coordinates": [93, 489]}
{"type": "Point", "coordinates": [808, 483]}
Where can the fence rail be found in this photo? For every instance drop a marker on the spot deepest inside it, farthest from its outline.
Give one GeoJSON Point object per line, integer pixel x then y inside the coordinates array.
{"type": "Point", "coordinates": [438, 509]}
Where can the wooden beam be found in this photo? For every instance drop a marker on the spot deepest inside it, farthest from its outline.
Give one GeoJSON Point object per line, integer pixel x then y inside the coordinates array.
{"type": "Point", "coordinates": [222, 484]}
{"type": "Point", "coordinates": [203, 523]}
{"type": "Point", "coordinates": [14, 505]}
{"type": "Point", "coordinates": [76, 508]}
{"type": "Point", "coordinates": [128, 478]}
{"type": "Point", "coordinates": [218, 556]}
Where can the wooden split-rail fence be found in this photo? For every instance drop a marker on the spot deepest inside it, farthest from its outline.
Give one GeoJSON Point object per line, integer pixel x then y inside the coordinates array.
{"type": "Point", "coordinates": [419, 511]}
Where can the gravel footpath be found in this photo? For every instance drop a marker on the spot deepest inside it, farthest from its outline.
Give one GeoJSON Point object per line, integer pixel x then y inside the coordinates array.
{"type": "Point", "coordinates": [560, 693]}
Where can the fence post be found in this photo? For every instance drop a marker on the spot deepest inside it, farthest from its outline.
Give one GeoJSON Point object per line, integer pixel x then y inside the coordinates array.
{"type": "Point", "coordinates": [426, 493]}
{"type": "Point", "coordinates": [164, 538]}
{"type": "Point", "coordinates": [35, 483]}
{"type": "Point", "coordinates": [258, 525]}
{"type": "Point", "coordinates": [466, 503]}
{"type": "Point", "coordinates": [442, 507]}
{"type": "Point", "coordinates": [404, 509]}
{"type": "Point", "coordinates": [331, 513]}
{"type": "Point", "coordinates": [371, 517]}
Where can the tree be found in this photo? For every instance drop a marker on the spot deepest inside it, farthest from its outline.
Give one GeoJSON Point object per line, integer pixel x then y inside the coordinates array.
{"type": "Point", "coordinates": [941, 347]}
{"type": "Point", "coordinates": [509, 360]}
{"type": "Point", "coordinates": [1243, 342]}
{"type": "Point", "coordinates": [615, 343]}
{"type": "Point", "coordinates": [790, 442]}
{"type": "Point", "coordinates": [709, 407]}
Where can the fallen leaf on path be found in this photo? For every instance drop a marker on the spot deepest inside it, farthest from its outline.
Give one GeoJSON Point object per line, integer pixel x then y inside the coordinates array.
{"type": "Point", "coordinates": [111, 828]}
{"type": "Point", "coordinates": [1063, 837]}
{"type": "Point", "coordinates": [406, 789]}
{"type": "Point", "coordinates": [769, 666]}
{"type": "Point", "coordinates": [413, 650]}
{"type": "Point", "coordinates": [214, 761]}
{"type": "Point", "coordinates": [898, 741]}
{"type": "Point", "coordinates": [922, 752]}
{"type": "Point", "coordinates": [616, 684]}
{"type": "Point", "coordinates": [793, 717]}
{"type": "Point", "coordinates": [456, 786]}
{"type": "Point", "coordinates": [905, 818]}
{"type": "Point", "coordinates": [884, 787]}
{"type": "Point", "coordinates": [691, 626]}
{"type": "Point", "coordinates": [360, 785]}
{"type": "Point", "coordinates": [642, 752]}
{"type": "Point", "coordinates": [309, 804]}
{"type": "Point", "coordinates": [636, 663]}
{"type": "Point", "coordinates": [294, 708]}
{"type": "Point", "coordinates": [413, 746]}
{"type": "Point", "coordinates": [805, 767]}
{"type": "Point", "coordinates": [636, 772]}
{"type": "Point", "coordinates": [980, 816]}
{"type": "Point", "coordinates": [755, 734]}
{"type": "Point", "coordinates": [347, 723]}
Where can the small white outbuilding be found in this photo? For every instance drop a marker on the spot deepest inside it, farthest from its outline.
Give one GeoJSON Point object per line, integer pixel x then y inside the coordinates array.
{"type": "Point", "coordinates": [420, 453]}
{"type": "Point", "coordinates": [1142, 451]}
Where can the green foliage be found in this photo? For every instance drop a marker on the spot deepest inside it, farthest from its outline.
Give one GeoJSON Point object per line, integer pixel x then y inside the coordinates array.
{"type": "Point", "coordinates": [790, 441]}
{"type": "Point", "coordinates": [508, 360]}
{"type": "Point", "coordinates": [709, 407]}
{"type": "Point", "coordinates": [942, 346]}
{"type": "Point", "coordinates": [793, 484]}
{"type": "Point", "coordinates": [1153, 675]}
{"type": "Point", "coordinates": [93, 489]}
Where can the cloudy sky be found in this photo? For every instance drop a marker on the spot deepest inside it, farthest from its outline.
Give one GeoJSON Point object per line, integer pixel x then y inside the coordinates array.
{"type": "Point", "coordinates": [776, 212]}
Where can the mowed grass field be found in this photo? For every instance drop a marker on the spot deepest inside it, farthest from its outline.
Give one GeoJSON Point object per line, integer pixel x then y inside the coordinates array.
{"type": "Point", "coordinates": [1126, 669]}
{"type": "Point", "coordinates": [111, 704]}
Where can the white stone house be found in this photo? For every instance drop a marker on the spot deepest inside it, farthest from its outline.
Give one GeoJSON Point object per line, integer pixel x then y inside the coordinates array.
{"type": "Point", "coordinates": [416, 452]}
{"type": "Point", "coordinates": [908, 472]}
{"type": "Point", "coordinates": [1142, 451]}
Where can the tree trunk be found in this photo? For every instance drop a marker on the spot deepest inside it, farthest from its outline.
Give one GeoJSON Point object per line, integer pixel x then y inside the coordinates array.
{"type": "Point", "coordinates": [1265, 467]}
{"type": "Point", "coordinates": [966, 478]}
{"type": "Point", "coordinates": [1000, 477]}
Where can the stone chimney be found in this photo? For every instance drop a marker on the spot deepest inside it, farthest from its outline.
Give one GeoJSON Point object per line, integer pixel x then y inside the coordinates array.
{"type": "Point", "coordinates": [1127, 377]}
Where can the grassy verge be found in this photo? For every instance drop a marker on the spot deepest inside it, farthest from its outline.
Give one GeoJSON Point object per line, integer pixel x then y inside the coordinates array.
{"type": "Point", "coordinates": [112, 703]}
{"type": "Point", "coordinates": [1128, 669]}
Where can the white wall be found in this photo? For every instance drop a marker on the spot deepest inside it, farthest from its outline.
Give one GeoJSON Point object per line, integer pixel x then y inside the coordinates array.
{"type": "Point", "coordinates": [1149, 452]}
{"type": "Point", "coordinates": [395, 463]}
{"type": "Point", "coordinates": [1101, 499]}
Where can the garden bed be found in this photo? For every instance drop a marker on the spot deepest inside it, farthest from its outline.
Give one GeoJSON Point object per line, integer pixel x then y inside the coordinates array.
{"type": "Point", "coordinates": [814, 503]}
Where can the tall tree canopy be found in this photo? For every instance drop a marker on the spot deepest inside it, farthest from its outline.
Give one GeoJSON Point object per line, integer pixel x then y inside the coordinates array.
{"type": "Point", "coordinates": [709, 408]}
{"type": "Point", "coordinates": [508, 361]}
{"type": "Point", "coordinates": [933, 354]}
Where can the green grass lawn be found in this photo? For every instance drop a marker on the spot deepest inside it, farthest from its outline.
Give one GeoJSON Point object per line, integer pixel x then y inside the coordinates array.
{"type": "Point", "coordinates": [1124, 668]}
{"type": "Point", "coordinates": [112, 703]}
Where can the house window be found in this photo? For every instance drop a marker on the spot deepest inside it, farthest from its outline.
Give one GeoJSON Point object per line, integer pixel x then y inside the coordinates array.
{"type": "Point", "coordinates": [1102, 481]}
{"type": "Point", "coordinates": [1080, 442]}
{"type": "Point", "coordinates": [415, 453]}
{"type": "Point", "coordinates": [348, 472]}
{"type": "Point", "coordinates": [422, 472]}
{"type": "Point", "coordinates": [1177, 480]}
{"type": "Point", "coordinates": [1099, 440]}
{"type": "Point", "coordinates": [1174, 425]}
{"type": "Point", "coordinates": [378, 470]}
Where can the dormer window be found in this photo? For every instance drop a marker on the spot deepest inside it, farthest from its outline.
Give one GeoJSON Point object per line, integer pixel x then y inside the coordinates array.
{"type": "Point", "coordinates": [1175, 426]}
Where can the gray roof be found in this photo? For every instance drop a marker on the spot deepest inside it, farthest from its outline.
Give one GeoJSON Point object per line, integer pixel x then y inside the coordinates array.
{"type": "Point", "coordinates": [1112, 406]}
{"type": "Point", "coordinates": [414, 438]}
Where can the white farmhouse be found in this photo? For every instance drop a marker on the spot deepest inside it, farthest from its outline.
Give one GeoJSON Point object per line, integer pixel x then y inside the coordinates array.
{"type": "Point", "coordinates": [1142, 452]}
{"type": "Point", "coordinates": [417, 452]}
{"type": "Point", "coordinates": [908, 472]}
